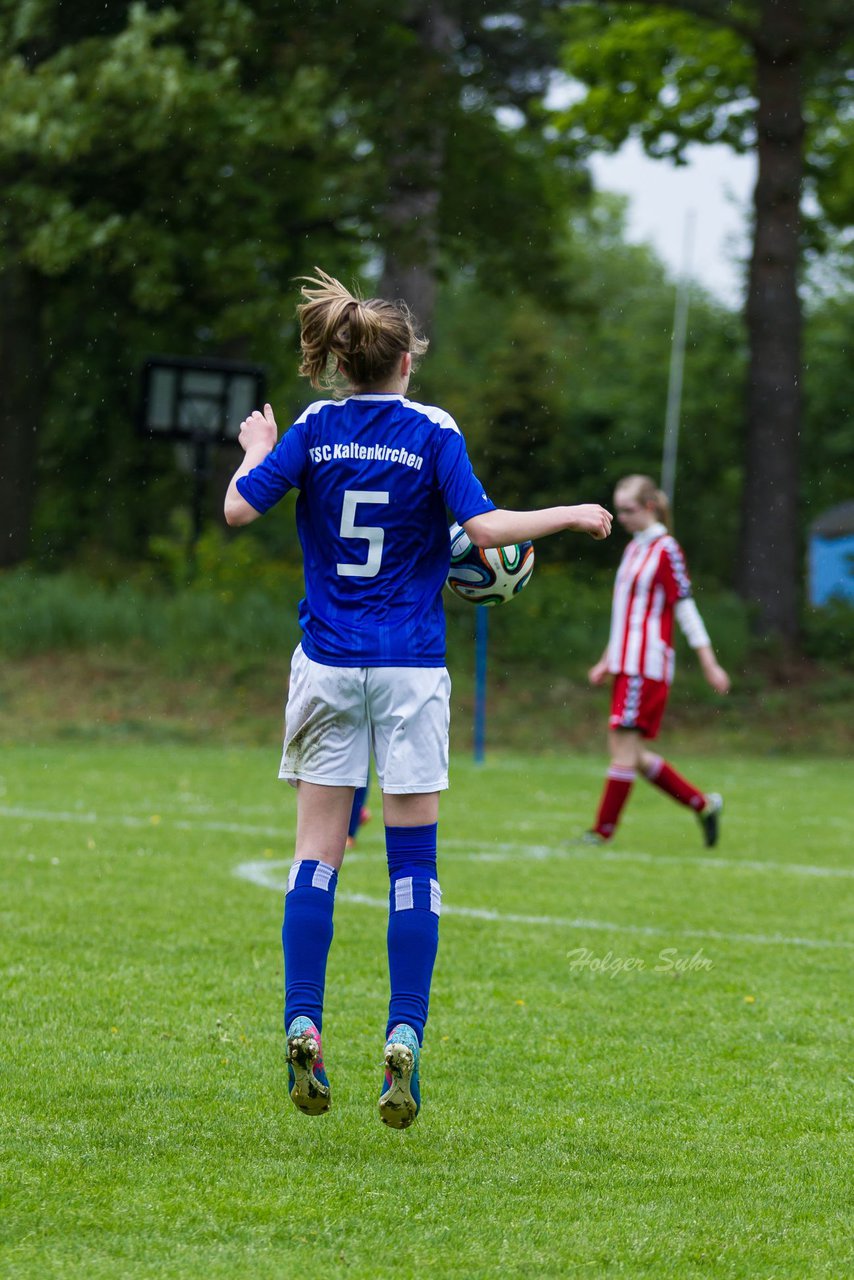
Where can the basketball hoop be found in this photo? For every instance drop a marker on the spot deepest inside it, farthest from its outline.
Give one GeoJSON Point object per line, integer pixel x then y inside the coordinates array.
{"type": "Point", "coordinates": [199, 401]}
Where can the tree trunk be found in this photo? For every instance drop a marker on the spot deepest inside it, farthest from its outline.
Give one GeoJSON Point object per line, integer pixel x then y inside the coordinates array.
{"type": "Point", "coordinates": [416, 154]}
{"type": "Point", "coordinates": [770, 560]}
{"type": "Point", "coordinates": [21, 380]}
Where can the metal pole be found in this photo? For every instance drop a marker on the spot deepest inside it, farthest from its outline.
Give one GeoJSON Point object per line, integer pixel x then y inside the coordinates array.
{"type": "Point", "coordinates": [677, 365]}
{"type": "Point", "coordinates": [481, 645]}
{"type": "Point", "coordinates": [200, 476]}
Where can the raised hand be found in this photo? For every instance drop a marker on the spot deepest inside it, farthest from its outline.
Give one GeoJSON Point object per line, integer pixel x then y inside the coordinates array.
{"type": "Point", "coordinates": [259, 431]}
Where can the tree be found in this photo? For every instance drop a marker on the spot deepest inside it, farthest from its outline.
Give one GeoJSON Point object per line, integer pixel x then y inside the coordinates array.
{"type": "Point", "coordinates": [559, 402]}
{"type": "Point", "coordinates": [773, 75]}
{"type": "Point", "coordinates": [829, 419]}
{"type": "Point", "coordinates": [415, 143]}
{"type": "Point", "coordinates": [168, 170]}
{"type": "Point", "coordinates": [447, 95]}
{"type": "Point", "coordinates": [161, 174]}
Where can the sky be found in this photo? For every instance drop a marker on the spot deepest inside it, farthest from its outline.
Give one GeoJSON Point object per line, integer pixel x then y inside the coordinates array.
{"type": "Point", "coordinates": [710, 197]}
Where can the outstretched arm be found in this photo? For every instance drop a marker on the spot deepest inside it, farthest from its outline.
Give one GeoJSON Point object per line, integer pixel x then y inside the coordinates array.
{"type": "Point", "coordinates": [499, 528]}
{"type": "Point", "coordinates": [258, 435]}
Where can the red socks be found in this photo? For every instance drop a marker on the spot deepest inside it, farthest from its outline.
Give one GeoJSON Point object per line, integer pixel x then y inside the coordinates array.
{"type": "Point", "coordinates": [618, 784]}
{"type": "Point", "coordinates": [663, 775]}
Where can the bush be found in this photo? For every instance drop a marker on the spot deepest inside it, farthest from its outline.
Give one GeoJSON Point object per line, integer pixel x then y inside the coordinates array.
{"type": "Point", "coordinates": [563, 621]}
{"type": "Point", "coordinates": [181, 630]}
{"type": "Point", "coordinates": [829, 633]}
{"type": "Point", "coordinates": [239, 608]}
{"type": "Point", "coordinates": [69, 611]}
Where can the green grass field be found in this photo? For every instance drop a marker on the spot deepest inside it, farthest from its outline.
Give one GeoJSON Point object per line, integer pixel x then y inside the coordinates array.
{"type": "Point", "coordinates": [635, 1063]}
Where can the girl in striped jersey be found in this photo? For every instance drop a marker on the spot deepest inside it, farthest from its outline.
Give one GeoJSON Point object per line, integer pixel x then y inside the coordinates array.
{"type": "Point", "coordinates": [652, 588]}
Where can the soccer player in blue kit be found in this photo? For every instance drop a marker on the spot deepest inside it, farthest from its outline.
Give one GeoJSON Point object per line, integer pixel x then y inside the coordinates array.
{"type": "Point", "coordinates": [375, 473]}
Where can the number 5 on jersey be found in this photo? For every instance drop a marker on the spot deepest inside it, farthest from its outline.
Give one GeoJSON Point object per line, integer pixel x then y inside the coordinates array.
{"type": "Point", "coordinates": [370, 533]}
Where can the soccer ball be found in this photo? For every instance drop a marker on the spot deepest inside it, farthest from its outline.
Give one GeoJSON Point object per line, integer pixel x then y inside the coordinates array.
{"type": "Point", "coordinates": [488, 575]}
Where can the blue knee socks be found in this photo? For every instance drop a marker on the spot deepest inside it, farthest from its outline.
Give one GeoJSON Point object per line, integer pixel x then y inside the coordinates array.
{"type": "Point", "coordinates": [306, 938]}
{"type": "Point", "coordinates": [413, 923]}
{"type": "Point", "coordinates": [413, 929]}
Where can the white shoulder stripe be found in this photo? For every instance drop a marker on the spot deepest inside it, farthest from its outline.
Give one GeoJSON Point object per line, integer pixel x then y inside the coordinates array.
{"type": "Point", "coordinates": [435, 414]}
{"type": "Point", "coordinates": [315, 408]}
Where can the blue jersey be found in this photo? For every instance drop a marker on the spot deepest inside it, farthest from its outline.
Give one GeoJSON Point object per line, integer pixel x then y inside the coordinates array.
{"type": "Point", "coordinates": [375, 475]}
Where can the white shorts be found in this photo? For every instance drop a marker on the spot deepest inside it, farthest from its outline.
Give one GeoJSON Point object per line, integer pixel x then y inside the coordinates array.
{"type": "Point", "coordinates": [335, 716]}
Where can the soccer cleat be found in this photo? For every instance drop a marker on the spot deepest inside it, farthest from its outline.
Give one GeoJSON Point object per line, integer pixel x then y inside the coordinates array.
{"type": "Point", "coordinates": [308, 1086]}
{"type": "Point", "coordinates": [400, 1100]}
{"type": "Point", "coordinates": [588, 838]}
{"type": "Point", "coordinates": [709, 817]}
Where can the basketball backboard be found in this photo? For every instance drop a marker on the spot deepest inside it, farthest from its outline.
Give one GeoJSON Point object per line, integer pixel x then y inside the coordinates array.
{"type": "Point", "coordinates": [198, 398]}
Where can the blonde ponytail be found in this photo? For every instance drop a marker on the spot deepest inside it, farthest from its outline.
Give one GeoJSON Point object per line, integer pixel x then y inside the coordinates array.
{"type": "Point", "coordinates": [342, 334]}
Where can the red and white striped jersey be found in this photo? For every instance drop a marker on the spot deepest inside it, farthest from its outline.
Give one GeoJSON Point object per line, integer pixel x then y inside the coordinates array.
{"type": "Point", "coordinates": [651, 580]}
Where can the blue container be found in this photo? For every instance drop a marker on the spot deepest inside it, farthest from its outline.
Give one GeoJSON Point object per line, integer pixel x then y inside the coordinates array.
{"type": "Point", "coordinates": [831, 556]}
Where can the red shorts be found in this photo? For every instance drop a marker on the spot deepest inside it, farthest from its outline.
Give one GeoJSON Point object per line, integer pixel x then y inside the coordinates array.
{"type": "Point", "coordinates": [638, 703]}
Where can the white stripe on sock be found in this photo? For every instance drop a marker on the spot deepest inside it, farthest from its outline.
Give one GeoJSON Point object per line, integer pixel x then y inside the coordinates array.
{"type": "Point", "coordinates": [621, 773]}
{"type": "Point", "coordinates": [654, 768]}
{"type": "Point", "coordinates": [323, 873]}
{"type": "Point", "coordinates": [403, 899]}
{"type": "Point", "coordinates": [435, 898]}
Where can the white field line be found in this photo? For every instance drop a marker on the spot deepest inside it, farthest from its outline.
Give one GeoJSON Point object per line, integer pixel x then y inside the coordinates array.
{"type": "Point", "coordinates": [128, 820]}
{"type": "Point", "coordinates": [508, 852]}
{"type": "Point", "coordinates": [450, 849]}
{"type": "Point", "coordinates": [274, 875]}
{"type": "Point", "coordinates": [260, 873]}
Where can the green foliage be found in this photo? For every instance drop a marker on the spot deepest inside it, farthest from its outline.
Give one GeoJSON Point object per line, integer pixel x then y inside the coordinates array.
{"type": "Point", "coordinates": [231, 602]}
{"type": "Point", "coordinates": [205, 624]}
{"type": "Point", "coordinates": [561, 627]}
{"type": "Point", "coordinates": [829, 633]}
{"type": "Point", "coordinates": [561, 402]}
{"type": "Point", "coordinates": [43, 614]}
{"type": "Point", "coordinates": [828, 446]}
{"type": "Point", "coordinates": [680, 72]}
{"type": "Point", "coordinates": [219, 562]}
{"type": "Point", "coordinates": [103, 135]}
{"type": "Point", "coordinates": [504, 200]}
{"type": "Point", "coordinates": [771, 78]}
{"type": "Point", "coordinates": [163, 173]}
{"type": "Point", "coordinates": [168, 170]}
{"type": "Point", "coordinates": [667, 77]}
{"type": "Point", "coordinates": [126, 655]}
